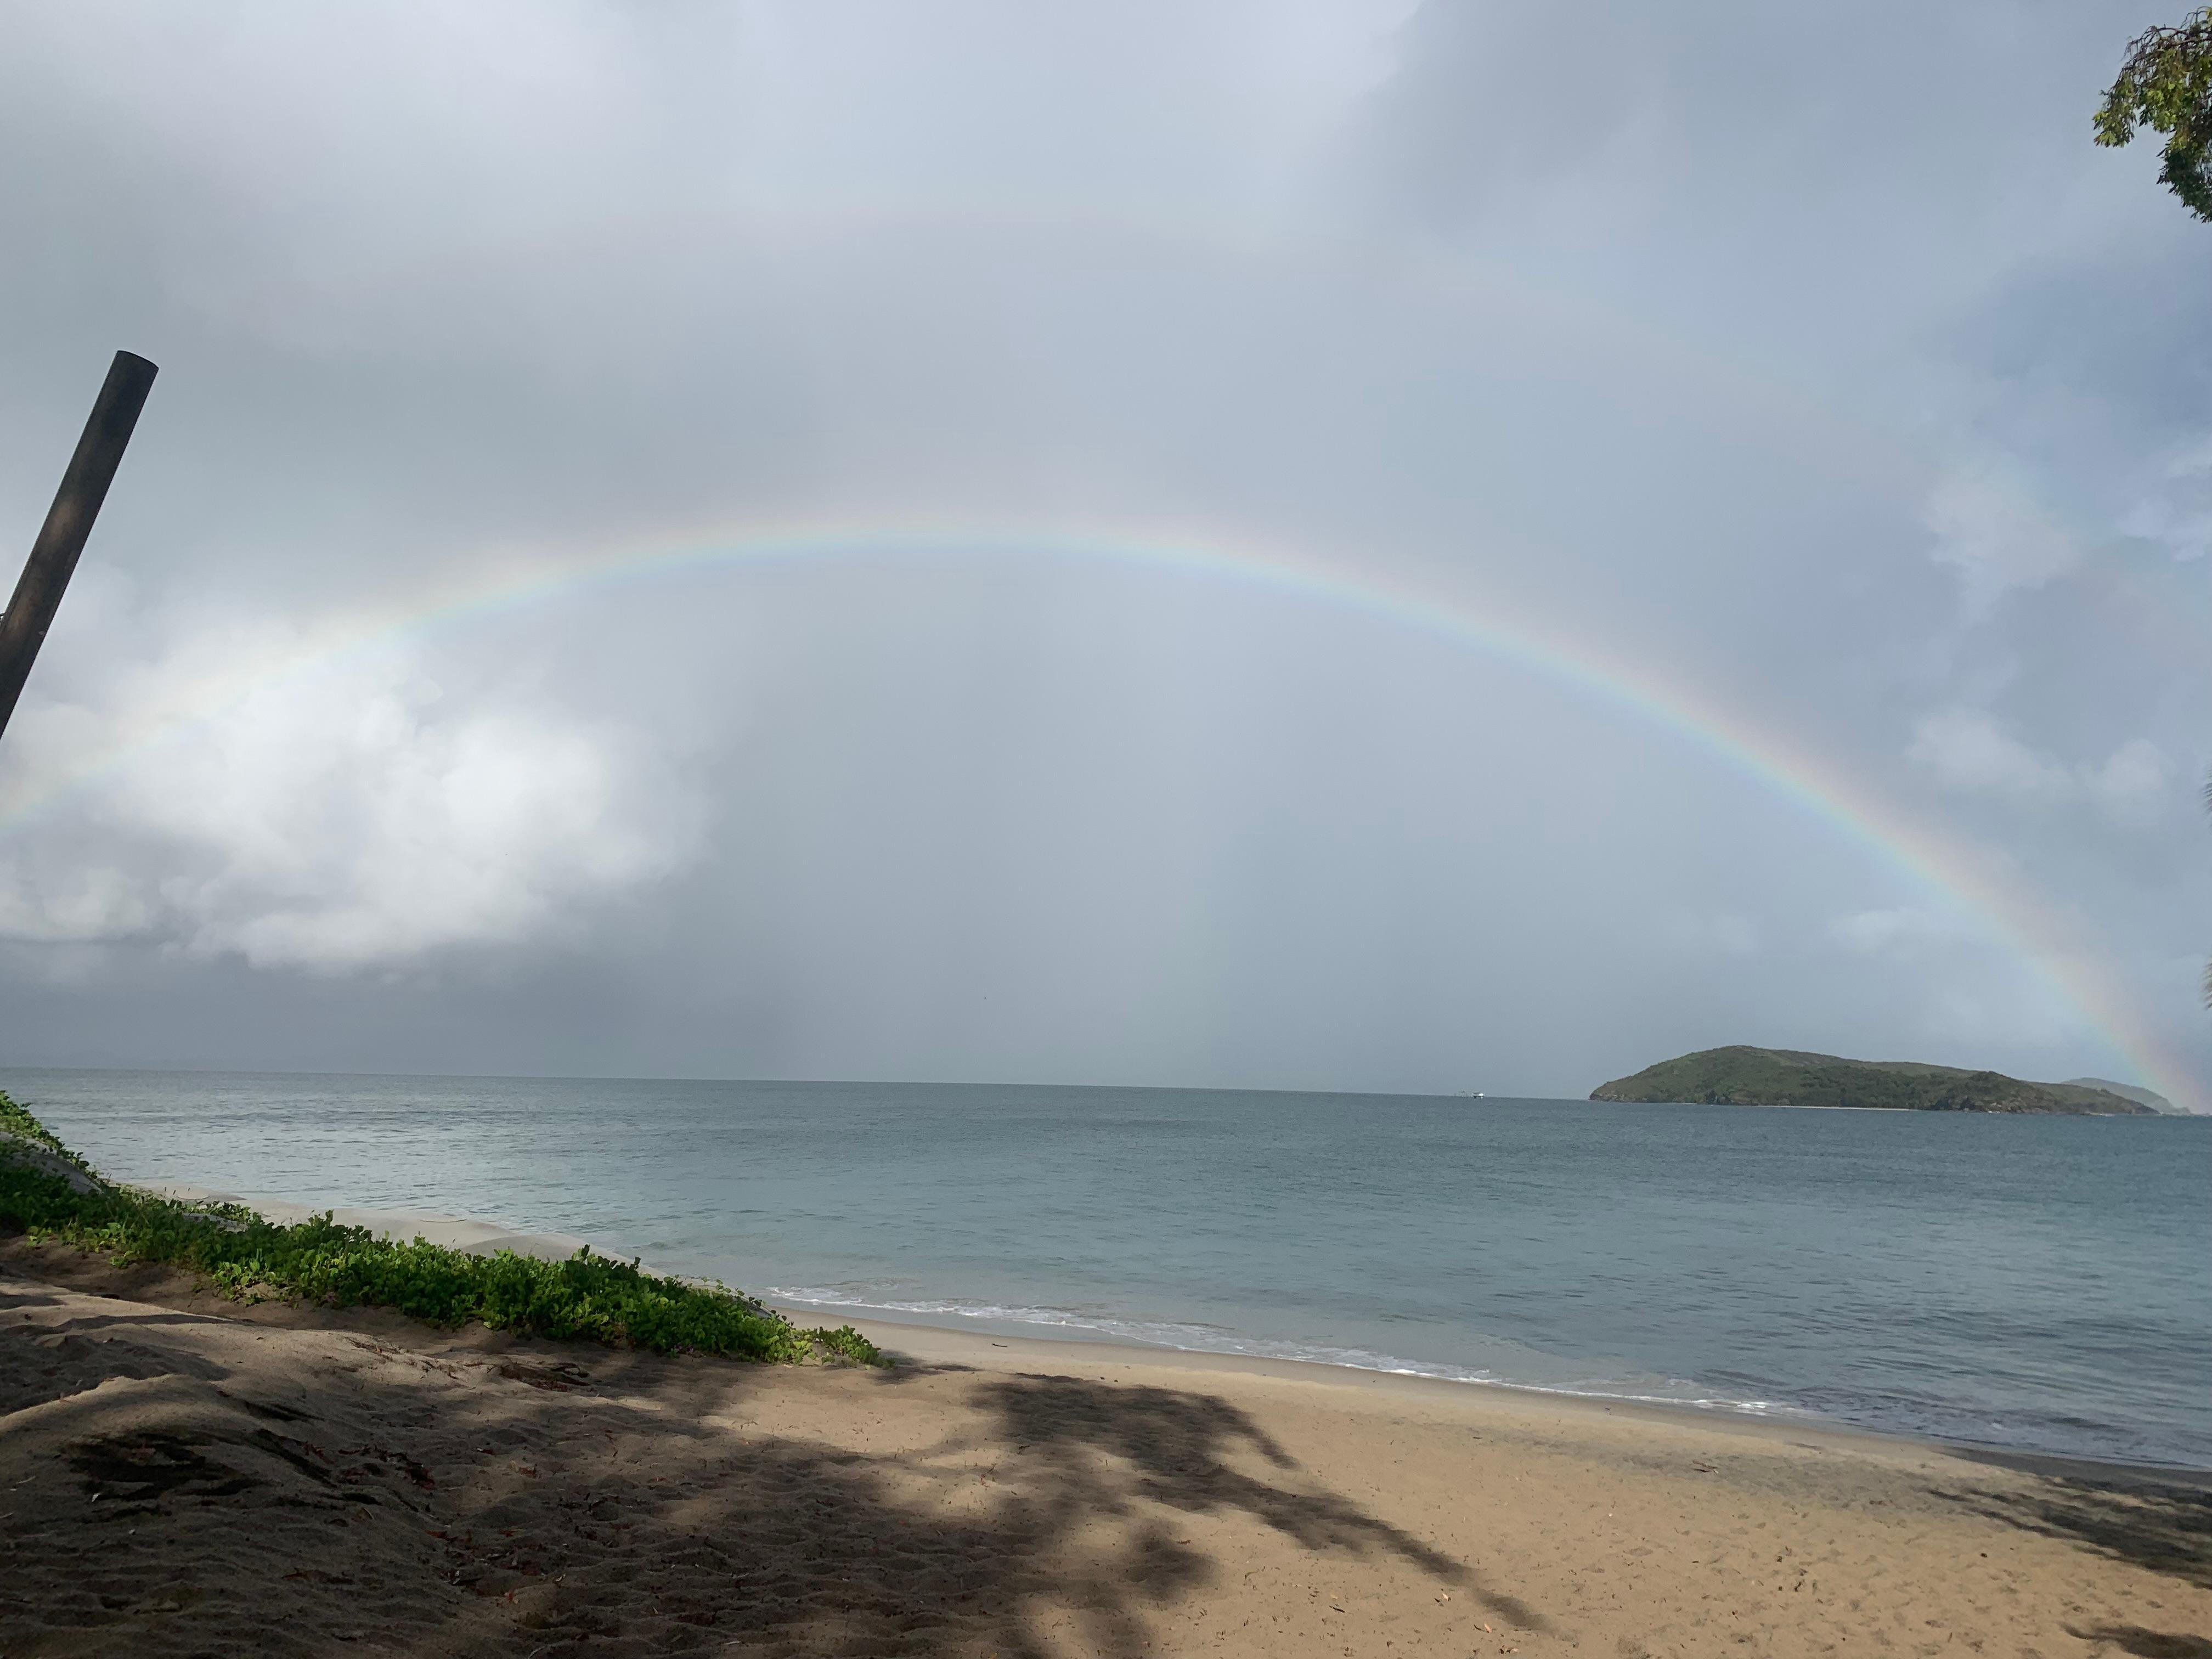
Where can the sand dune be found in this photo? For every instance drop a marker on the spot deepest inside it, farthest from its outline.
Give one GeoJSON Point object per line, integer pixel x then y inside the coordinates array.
{"type": "Point", "coordinates": [179, 1474]}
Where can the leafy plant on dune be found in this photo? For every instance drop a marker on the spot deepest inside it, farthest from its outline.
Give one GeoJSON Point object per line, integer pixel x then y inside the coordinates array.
{"type": "Point", "coordinates": [15, 1121]}
{"type": "Point", "coordinates": [586, 1296]}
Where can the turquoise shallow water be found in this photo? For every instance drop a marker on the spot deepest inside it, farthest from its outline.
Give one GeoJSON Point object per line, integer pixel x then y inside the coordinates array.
{"type": "Point", "coordinates": [2040, 1284]}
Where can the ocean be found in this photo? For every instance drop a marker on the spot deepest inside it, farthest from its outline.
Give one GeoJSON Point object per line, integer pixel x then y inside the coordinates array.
{"type": "Point", "coordinates": [2039, 1284]}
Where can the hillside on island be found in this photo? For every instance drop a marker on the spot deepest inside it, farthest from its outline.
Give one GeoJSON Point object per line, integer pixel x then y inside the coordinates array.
{"type": "Point", "coordinates": [2150, 1098]}
{"type": "Point", "coordinates": [1744, 1076]}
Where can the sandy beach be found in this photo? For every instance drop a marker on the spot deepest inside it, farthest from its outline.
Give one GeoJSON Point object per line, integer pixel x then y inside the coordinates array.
{"type": "Point", "coordinates": [184, 1474]}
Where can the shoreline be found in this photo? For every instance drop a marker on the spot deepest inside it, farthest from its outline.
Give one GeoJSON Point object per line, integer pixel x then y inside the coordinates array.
{"type": "Point", "coordinates": [931, 1343]}
{"type": "Point", "coordinates": [963, 1340]}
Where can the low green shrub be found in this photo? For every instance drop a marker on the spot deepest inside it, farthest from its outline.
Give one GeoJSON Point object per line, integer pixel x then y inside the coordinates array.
{"type": "Point", "coordinates": [15, 1121]}
{"type": "Point", "coordinates": [587, 1296]}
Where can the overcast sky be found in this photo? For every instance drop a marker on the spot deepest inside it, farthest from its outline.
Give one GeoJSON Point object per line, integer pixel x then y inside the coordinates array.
{"type": "Point", "coordinates": [1802, 374]}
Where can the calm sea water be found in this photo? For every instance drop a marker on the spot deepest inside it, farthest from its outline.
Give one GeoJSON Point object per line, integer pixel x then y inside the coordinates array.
{"type": "Point", "coordinates": [2041, 1284]}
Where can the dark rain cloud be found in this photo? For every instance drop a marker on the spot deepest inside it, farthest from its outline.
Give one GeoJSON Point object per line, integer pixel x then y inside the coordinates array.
{"type": "Point", "coordinates": [1813, 366]}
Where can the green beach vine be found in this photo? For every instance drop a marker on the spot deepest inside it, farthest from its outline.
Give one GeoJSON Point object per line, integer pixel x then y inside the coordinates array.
{"type": "Point", "coordinates": [587, 1298]}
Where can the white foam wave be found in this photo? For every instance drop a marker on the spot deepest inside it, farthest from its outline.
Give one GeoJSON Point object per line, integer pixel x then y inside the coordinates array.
{"type": "Point", "coordinates": [1211, 1338]}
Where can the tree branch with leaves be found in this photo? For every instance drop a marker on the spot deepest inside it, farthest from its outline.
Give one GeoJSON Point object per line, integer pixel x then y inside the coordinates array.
{"type": "Point", "coordinates": [2166, 84]}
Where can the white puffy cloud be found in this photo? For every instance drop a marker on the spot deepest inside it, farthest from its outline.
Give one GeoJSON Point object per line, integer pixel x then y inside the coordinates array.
{"type": "Point", "coordinates": [58, 906]}
{"type": "Point", "coordinates": [2133, 784]}
{"type": "Point", "coordinates": [1969, 751]}
{"type": "Point", "coordinates": [2175, 509]}
{"type": "Point", "coordinates": [332, 814]}
{"type": "Point", "coordinates": [1993, 539]}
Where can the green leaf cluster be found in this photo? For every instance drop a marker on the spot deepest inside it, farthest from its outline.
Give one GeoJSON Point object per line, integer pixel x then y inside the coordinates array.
{"type": "Point", "coordinates": [587, 1296]}
{"type": "Point", "coordinates": [2166, 84]}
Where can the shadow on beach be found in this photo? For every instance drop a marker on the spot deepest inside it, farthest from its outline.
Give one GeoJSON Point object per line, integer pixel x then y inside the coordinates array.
{"type": "Point", "coordinates": [2164, 1528]}
{"type": "Point", "coordinates": [449, 1495]}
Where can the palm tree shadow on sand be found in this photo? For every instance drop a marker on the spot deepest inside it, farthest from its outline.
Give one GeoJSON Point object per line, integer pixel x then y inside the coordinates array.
{"type": "Point", "coordinates": [517, 1501]}
{"type": "Point", "coordinates": [2167, 1529]}
{"type": "Point", "coordinates": [1073, 1540]}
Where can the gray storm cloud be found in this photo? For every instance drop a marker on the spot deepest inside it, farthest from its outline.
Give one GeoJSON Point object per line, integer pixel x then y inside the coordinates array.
{"type": "Point", "coordinates": [1817, 364]}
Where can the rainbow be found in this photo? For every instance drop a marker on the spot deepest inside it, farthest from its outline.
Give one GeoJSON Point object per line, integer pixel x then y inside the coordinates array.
{"type": "Point", "coordinates": [1954, 871]}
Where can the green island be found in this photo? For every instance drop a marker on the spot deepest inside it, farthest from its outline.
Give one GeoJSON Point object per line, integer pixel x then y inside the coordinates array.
{"type": "Point", "coordinates": [51, 1195]}
{"type": "Point", "coordinates": [1743, 1076]}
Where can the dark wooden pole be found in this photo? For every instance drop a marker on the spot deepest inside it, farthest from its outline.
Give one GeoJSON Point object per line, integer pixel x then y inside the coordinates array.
{"type": "Point", "coordinates": [69, 522]}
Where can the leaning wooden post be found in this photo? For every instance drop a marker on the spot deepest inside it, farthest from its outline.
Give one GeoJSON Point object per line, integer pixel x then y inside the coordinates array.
{"type": "Point", "coordinates": [69, 522]}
